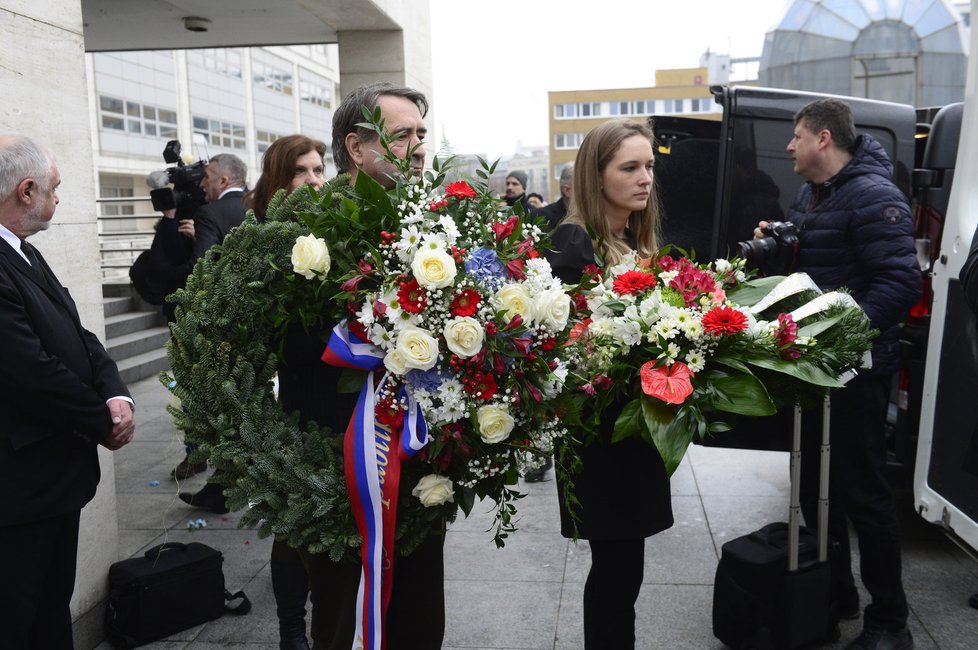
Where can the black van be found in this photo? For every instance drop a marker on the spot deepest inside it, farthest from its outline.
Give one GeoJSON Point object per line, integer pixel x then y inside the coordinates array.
{"type": "Point", "coordinates": [717, 179]}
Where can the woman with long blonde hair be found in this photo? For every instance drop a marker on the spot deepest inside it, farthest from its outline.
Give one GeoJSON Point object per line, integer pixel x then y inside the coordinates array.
{"type": "Point", "coordinates": [622, 491]}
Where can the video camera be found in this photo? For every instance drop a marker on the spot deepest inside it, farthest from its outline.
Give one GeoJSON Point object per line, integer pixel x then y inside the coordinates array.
{"type": "Point", "coordinates": [782, 236]}
{"type": "Point", "coordinates": [186, 195]}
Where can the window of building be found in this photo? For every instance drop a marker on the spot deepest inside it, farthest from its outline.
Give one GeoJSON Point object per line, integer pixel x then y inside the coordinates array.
{"type": "Point", "coordinates": [139, 119]}
{"type": "Point", "coordinates": [225, 61]}
{"type": "Point", "coordinates": [316, 90]}
{"type": "Point", "coordinates": [272, 77]}
{"type": "Point", "coordinates": [265, 138]}
{"type": "Point", "coordinates": [584, 109]}
{"type": "Point", "coordinates": [568, 140]}
{"type": "Point", "coordinates": [221, 133]}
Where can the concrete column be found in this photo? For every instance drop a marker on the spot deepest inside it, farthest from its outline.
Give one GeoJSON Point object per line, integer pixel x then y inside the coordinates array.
{"type": "Point", "coordinates": [43, 76]}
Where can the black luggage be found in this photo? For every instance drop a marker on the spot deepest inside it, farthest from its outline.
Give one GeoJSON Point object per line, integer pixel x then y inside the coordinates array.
{"type": "Point", "coordinates": [773, 587]}
{"type": "Point", "coordinates": [171, 588]}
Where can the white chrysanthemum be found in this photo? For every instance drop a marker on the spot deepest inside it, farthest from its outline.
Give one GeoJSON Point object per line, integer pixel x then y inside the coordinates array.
{"type": "Point", "coordinates": [380, 337]}
{"type": "Point", "coordinates": [696, 361]}
{"type": "Point", "coordinates": [366, 313]}
{"type": "Point", "coordinates": [434, 241]}
{"type": "Point", "coordinates": [602, 327]}
{"type": "Point", "coordinates": [665, 328]}
{"type": "Point", "coordinates": [670, 353]}
{"type": "Point", "coordinates": [693, 329]}
{"type": "Point", "coordinates": [451, 230]}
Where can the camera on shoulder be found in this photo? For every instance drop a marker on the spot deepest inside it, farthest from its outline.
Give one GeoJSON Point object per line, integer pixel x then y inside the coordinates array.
{"type": "Point", "coordinates": [186, 195]}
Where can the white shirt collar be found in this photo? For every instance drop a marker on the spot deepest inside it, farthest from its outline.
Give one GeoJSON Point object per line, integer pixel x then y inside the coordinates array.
{"type": "Point", "coordinates": [13, 240]}
{"type": "Point", "coordinates": [229, 190]}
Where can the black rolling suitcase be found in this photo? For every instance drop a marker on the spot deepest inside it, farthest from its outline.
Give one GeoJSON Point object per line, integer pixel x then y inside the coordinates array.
{"type": "Point", "coordinates": [773, 589]}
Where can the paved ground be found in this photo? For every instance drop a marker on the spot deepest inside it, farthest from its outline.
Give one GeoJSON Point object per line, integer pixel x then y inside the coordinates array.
{"type": "Point", "coordinates": [528, 595]}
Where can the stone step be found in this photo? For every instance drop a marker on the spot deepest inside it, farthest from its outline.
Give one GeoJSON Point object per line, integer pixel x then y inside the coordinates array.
{"type": "Point", "coordinates": [141, 366]}
{"type": "Point", "coordinates": [129, 345]}
{"type": "Point", "coordinates": [116, 305]}
{"type": "Point", "coordinates": [129, 322]}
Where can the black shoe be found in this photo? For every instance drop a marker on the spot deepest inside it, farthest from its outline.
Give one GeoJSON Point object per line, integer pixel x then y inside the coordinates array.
{"type": "Point", "coordinates": [210, 498]}
{"type": "Point", "coordinates": [873, 639]}
{"type": "Point", "coordinates": [186, 469]}
{"type": "Point", "coordinates": [539, 474]}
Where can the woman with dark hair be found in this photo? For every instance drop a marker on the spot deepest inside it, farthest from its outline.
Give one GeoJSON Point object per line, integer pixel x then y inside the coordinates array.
{"type": "Point", "coordinates": [290, 163]}
{"type": "Point", "coordinates": [622, 489]}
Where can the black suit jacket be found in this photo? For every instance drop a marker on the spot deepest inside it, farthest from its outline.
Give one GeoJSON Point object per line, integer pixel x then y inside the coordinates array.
{"type": "Point", "coordinates": [214, 221]}
{"type": "Point", "coordinates": [55, 377]}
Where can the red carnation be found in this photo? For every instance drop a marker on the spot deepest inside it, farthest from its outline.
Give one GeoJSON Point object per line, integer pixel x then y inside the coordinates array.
{"type": "Point", "coordinates": [633, 282]}
{"type": "Point", "coordinates": [460, 190]}
{"type": "Point", "coordinates": [466, 303]}
{"type": "Point", "coordinates": [724, 320]}
{"type": "Point", "coordinates": [412, 297]}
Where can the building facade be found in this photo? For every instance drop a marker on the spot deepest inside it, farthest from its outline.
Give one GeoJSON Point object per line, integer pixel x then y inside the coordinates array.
{"type": "Point", "coordinates": [212, 100]}
{"type": "Point", "coordinates": [573, 113]}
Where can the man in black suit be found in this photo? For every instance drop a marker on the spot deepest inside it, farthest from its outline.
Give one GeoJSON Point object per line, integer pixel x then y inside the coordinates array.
{"type": "Point", "coordinates": [224, 188]}
{"type": "Point", "coordinates": [60, 397]}
{"type": "Point", "coordinates": [556, 211]}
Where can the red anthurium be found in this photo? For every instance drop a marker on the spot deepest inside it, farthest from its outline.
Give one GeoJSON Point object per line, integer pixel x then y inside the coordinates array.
{"type": "Point", "coordinates": [671, 384]}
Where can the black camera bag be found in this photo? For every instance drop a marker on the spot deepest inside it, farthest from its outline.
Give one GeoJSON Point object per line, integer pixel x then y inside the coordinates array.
{"type": "Point", "coordinates": [171, 588]}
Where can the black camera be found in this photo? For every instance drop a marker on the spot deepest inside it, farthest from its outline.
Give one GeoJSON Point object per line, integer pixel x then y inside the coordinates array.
{"type": "Point", "coordinates": [781, 236]}
{"type": "Point", "coordinates": [186, 195]}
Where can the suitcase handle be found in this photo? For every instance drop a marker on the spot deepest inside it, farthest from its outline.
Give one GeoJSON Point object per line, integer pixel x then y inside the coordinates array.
{"type": "Point", "coordinates": [154, 552]}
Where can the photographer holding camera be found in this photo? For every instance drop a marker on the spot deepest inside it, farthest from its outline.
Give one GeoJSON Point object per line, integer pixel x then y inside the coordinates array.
{"type": "Point", "coordinates": [854, 229]}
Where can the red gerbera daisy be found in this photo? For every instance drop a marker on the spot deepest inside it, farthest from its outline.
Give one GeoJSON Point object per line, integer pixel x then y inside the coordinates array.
{"type": "Point", "coordinates": [466, 302]}
{"type": "Point", "coordinates": [460, 190]}
{"type": "Point", "coordinates": [412, 297]}
{"type": "Point", "coordinates": [633, 282]}
{"type": "Point", "coordinates": [724, 320]}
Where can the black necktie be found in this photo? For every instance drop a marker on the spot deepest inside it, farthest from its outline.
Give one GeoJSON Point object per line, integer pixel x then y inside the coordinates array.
{"type": "Point", "coordinates": [31, 256]}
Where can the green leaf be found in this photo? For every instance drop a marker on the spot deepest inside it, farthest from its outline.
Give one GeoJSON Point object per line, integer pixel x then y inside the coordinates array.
{"type": "Point", "coordinates": [814, 329]}
{"type": "Point", "coordinates": [631, 422]}
{"type": "Point", "coordinates": [743, 394]}
{"type": "Point", "coordinates": [750, 293]}
{"type": "Point", "coordinates": [799, 369]}
{"type": "Point", "coordinates": [351, 380]}
{"type": "Point", "coordinates": [669, 433]}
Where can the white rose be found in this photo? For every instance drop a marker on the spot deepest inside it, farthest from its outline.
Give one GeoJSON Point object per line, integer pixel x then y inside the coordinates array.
{"type": "Point", "coordinates": [394, 361]}
{"type": "Point", "coordinates": [552, 309]}
{"type": "Point", "coordinates": [310, 256]}
{"type": "Point", "coordinates": [464, 336]}
{"type": "Point", "coordinates": [433, 490]}
{"type": "Point", "coordinates": [418, 348]}
{"type": "Point", "coordinates": [495, 423]}
{"type": "Point", "coordinates": [515, 299]}
{"type": "Point", "coordinates": [433, 268]}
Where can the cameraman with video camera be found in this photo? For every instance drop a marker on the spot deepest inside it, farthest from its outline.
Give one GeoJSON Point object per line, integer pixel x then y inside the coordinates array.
{"type": "Point", "coordinates": [852, 228]}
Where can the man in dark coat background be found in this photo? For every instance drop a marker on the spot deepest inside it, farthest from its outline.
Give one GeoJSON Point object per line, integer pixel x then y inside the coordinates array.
{"type": "Point", "coordinates": [60, 397]}
{"type": "Point", "coordinates": [556, 211]}
{"type": "Point", "coordinates": [855, 230]}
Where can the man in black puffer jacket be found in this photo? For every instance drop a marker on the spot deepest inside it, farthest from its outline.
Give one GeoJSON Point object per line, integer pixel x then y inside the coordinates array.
{"type": "Point", "coordinates": [855, 230]}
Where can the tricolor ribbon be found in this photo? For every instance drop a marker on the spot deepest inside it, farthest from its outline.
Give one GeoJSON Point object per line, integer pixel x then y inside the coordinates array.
{"type": "Point", "coordinates": [372, 478]}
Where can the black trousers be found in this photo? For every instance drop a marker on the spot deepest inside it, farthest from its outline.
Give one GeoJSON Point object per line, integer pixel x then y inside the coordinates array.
{"type": "Point", "coordinates": [415, 616]}
{"type": "Point", "coordinates": [612, 586]}
{"type": "Point", "coordinates": [859, 492]}
{"type": "Point", "coordinates": [37, 562]}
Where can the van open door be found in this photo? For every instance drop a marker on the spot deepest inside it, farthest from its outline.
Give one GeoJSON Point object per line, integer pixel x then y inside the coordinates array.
{"type": "Point", "coordinates": [946, 470]}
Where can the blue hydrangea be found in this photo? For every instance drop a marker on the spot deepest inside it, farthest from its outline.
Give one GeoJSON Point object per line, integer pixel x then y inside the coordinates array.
{"type": "Point", "coordinates": [426, 380]}
{"type": "Point", "coordinates": [485, 266]}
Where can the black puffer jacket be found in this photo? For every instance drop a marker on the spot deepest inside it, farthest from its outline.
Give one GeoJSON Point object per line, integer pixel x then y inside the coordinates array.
{"type": "Point", "coordinates": [856, 231]}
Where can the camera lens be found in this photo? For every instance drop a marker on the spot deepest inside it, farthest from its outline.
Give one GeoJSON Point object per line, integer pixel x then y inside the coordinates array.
{"type": "Point", "coordinates": [757, 249]}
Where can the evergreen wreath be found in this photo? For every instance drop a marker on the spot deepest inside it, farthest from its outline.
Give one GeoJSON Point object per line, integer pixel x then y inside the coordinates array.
{"type": "Point", "coordinates": [231, 320]}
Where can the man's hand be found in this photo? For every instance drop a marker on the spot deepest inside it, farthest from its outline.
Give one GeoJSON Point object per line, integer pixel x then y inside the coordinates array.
{"type": "Point", "coordinates": [186, 228]}
{"type": "Point", "coordinates": [170, 213]}
{"type": "Point", "coordinates": [759, 231]}
{"type": "Point", "coordinates": [123, 424]}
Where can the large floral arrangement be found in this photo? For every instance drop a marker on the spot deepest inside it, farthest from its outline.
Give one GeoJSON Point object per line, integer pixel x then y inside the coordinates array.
{"type": "Point", "coordinates": [699, 345]}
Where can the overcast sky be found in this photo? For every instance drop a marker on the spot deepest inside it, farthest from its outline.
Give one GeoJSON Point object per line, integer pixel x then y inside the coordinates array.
{"type": "Point", "coordinates": [493, 61]}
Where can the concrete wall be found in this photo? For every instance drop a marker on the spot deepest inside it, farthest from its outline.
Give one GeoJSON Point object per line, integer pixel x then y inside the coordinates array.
{"type": "Point", "coordinates": [42, 73]}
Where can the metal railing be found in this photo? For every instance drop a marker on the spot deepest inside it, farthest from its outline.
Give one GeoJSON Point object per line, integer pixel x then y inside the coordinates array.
{"type": "Point", "coordinates": [122, 237]}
